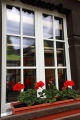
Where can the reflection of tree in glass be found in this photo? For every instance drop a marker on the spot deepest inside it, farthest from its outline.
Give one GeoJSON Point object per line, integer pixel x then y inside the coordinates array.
{"type": "Point", "coordinates": [10, 49]}
{"type": "Point", "coordinates": [13, 51]}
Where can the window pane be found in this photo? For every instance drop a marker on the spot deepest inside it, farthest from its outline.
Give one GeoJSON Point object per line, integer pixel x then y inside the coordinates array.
{"type": "Point", "coordinates": [49, 53]}
{"type": "Point", "coordinates": [61, 61]}
{"type": "Point", "coordinates": [47, 26]}
{"type": "Point", "coordinates": [12, 77]}
{"type": "Point", "coordinates": [29, 78]}
{"type": "Point", "coordinates": [28, 22]}
{"type": "Point", "coordinates": [49, 77]}
{"type": "Point", "coordinates": [62, 77]}
{"type": "Point", "coordinates": [29, 57]}
{"type": "Point", "coordinates": [59, 33]}
{"type": "Point", "coordinates": [13, 20]}
{"type": "Point", "coordinates": [13, 51]}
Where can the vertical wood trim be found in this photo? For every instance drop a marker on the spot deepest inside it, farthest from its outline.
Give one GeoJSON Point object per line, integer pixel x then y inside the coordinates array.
{"type": "Point", "coordinates": [0, 50]}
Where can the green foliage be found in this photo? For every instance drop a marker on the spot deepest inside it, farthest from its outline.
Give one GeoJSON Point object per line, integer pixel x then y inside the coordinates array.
{"type": "Point", "coordinates": [50, 93]}
{"type": "Point", "coordinates": [28, 97]}
{"type": "Point", "coordinates": [68, 94]}
{"type": "Point", "coordinates": [47, 95]}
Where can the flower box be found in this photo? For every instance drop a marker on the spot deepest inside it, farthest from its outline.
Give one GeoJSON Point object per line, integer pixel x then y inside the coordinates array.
{"type": "Point", "coordinates": [24, 109]}
{"type": "Point", "coordinates": [48, 98]}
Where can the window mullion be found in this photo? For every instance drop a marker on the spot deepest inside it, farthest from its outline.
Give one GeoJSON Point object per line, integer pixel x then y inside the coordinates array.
{"type": "Point", "coordinates": [36, 46]}
{"type": "Point", "coordinates": [55, 56]}
{"type": "Point", "coordinates": [66, 50]}
{"type": "Point", "coordinates": [3, 96]}
{"type": "Point", "coordinates": [41, 48]}
{"type": "Point", "coordinates": [56, 71]}
{"type": "Point", "coordinates": [21, 47]}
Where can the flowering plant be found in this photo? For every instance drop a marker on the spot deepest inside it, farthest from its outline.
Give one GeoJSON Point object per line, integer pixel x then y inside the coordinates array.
{"type": "Point", "coordinates": [68, 83]}
{"type": "Point", "coordinates": [46, 95]}
{"type": "Point", "coordinates": [18, 87]}
{"type": "Point", "coordinates": [67, 91]}
{"type": "Point", "coordinates": [49, 95]}
{"type": "Point", "coordinates": [39, 84]}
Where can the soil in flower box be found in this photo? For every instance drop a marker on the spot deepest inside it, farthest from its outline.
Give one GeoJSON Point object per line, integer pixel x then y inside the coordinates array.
{"type": "Point", "coordinates": [20, 105]}
{"type": "Point", "coordinates": [23, 105]}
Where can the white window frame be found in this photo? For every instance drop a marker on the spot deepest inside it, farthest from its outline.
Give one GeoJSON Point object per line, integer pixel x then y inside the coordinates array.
{"type": "Point", "coordinates": [40, 69]}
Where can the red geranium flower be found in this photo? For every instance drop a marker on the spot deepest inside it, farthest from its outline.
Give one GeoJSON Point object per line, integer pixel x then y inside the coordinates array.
{"type": "Point", "coordinates": [36, 86]}
{"type": "Point", "coordinates": [21, 86]}
{"type": "Point", "coordinates": [69, 83]}
{"type": "Point", "coordinates": [18, 87]}
{"type": "Point", "coordinates": [39, 84]}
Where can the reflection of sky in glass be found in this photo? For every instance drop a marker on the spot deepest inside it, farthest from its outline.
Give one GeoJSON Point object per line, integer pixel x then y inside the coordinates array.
{"type": "Point", "coordinates": [57, 30]}
{"type": "Point", "coordinates": [12, 14]}
{"type": "Point", "coordinates": [15, 41]}
{"type": "Point", "coordinates": [59, 33]}
{"type": "Point", "coordinates": [13, 20]}
{"type": "Point", "coordinates": [28, 42]}
{"type": "Point", "coordinates": [28, 17]}
{"type": "Point", "coordinates": [15, 13]}
{"type": "Point", "coordinates": [47, 27]}
{"type": "Point", "coordinates": [28, 23]}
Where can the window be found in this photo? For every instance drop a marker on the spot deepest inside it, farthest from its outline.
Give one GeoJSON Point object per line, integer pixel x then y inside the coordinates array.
{"type": "Point", "coordinates": [36, 48]}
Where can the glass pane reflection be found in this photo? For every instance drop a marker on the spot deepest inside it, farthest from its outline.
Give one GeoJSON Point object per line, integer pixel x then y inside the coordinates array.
{"type": "Point", "coordinates": [13, 20]}
{"type": "Point", "coordinates": [49, 53]}
{"type": "Point", "coordinates": [49, 77]}
{"type": "Point", "coordinates": [12, 77]}
{"type": "Point", "coordinates": [28, 22]}
{"type": "Point", "coordinates": [61, 61]}
{"type": "Point", "coordinates": [29, 57]}
{"type": "Point", "coordinates": [59, 32]}
{"type": "Point", "coordinates": [13, 51]}
{"type": "Point", "coordinates": [29, 78]}
{"type": "Point", "coordinates": [62, 77]}
{"type": "Point", "coordinates": [47, 26]}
